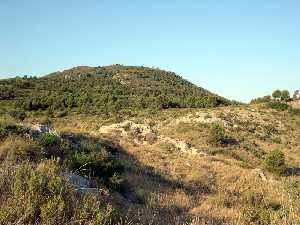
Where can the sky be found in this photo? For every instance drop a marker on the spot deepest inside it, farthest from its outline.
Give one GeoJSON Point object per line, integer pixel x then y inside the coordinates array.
{"type": "Point", "coordinates": [240, 49]}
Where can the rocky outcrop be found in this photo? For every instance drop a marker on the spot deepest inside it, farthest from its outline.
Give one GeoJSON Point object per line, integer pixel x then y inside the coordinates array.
{"type": "Point", "coordinates": [260, 174]}
{"type": "Point", "coordinates": [142, 134]}
{"type": "Point", "coordinates": [183, 146]}
{"type": "Point", "coordinates": [40, 128]}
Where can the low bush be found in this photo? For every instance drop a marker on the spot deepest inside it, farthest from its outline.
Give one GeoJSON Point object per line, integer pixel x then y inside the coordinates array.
{"type": "Point", "coordinates": [3, 133]}
{"type": "Point", "coordinates": [13, 129]}
{"type": "Point", "coordinates": [90, 210]}
{"type": "Point", "coordinates": [52, 146]}
{"type": "Point", "coordinates": [33, 194]}
{"type": "Point", "coordinates": [275, 162]}
{"type": "Point", "coordinates": [278, 106]}
{"type": "Point", "coordinates": [261, 100]}
{"type": "Point", "coordinates": [88, 146]}
{"type": "Point", "coordinates": [116, 181]}
{"type": "Point", "coordinates": [217, 135]}
{"type": "Point", "coordinates": [98, 165]}
{"type": "Point", "coordinates": [294, 112]}
{"type": "Point", "coordinates": [18, 114]}
{"type": "Point", "coordinates": [256, 215]}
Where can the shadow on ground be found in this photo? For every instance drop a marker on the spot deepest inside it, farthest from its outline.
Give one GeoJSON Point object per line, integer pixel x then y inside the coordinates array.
{"type": "Point", "coordinates": [292, 171]}
{"type": "Point", "coordinates": [133, 202]}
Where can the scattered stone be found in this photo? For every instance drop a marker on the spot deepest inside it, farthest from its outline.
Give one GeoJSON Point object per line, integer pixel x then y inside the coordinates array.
{"type": "Point", "coordinates": [77, 181]}
{"type": "Point", "coordinates": [183, 146]}
{"type": "Point", "coordinates": [40, 128]}
{"type": "Point", "coordinates": [150, 138]}
{"type": "Point", "coordinates": [261, 174]}
{"type": "Point", "coordinates": [143, 134]}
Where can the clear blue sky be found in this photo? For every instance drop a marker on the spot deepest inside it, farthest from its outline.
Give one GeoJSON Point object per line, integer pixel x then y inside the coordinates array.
{"type": "Point", "coordinates": [239, 49]}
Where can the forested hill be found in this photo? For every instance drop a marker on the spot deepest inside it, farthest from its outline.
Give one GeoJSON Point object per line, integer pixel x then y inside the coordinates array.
{"type": "Point", "coordinates": [110, 88]}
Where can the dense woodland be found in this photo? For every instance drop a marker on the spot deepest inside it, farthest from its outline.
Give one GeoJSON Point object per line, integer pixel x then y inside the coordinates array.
{"type": "Point", "coordinates": [107, 89]}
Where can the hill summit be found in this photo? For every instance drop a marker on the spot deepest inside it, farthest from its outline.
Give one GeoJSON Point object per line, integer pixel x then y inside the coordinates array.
{"type": "Point", "coordinates": [110, 88]}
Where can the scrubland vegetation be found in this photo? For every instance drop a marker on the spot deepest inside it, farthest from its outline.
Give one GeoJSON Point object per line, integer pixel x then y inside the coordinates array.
{"type": "Point", "coordinates": [107, 90]}
{"type": "Point", "coordinates": [34, 170]}
{"type": "Point", "coordinates": [127, 145]}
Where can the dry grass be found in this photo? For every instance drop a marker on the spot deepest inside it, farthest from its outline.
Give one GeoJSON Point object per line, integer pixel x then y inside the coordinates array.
{"type": "Point", "coordinates": [166, 186]}
{"type": "Point", "coordinates": [15, 147]}
{"type": "Point", "coordinates": [233, 188]}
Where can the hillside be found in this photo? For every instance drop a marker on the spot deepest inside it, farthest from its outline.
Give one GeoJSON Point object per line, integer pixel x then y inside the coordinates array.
{"type": "Point", "coordinates": [70, 156]}
{"type": "Point", "coordinates": [295, 104]}
{"type": "Point", "coordinates": [107, 89]}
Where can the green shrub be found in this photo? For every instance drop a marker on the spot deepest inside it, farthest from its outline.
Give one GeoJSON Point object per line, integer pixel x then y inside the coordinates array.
{"type": "Point", "coordinates": [278, 106]}
{"type": "Point", "coordinates": [49, 140]}
{"type": "Point", "coordinates": [18, 114]}
{"type": "Point", "coordinates": [3, 132]}
{"type": "Point", "coordinates": [275, 161]}
{"type": "Point", "coordinates": [7, 93]}
{"type": "Point", "coordinates": [217, 135]}
{"type": "Point", "coordinates": [116, 181]}
{"type": "Point", "coordinates": [294, 112]}
{"type": "Point", "coordinates": [261, 100]}
{"type": "Point", "coordinates": [37, 194]}
{"type": "Point", "coordinates": [52, 146]}
{"type": "Point", "coordinates": [256, 215]}
{"type": "Point", "coordinates": [90, 210]}
{"type": "Point", "coordinates": [40, 192]}
{"type": "Point", "coordinates": [98, 165]}
{"type": "Point", "coordinates": [88, 146]}
{"type": "Point", "coordinates": [13, 129]}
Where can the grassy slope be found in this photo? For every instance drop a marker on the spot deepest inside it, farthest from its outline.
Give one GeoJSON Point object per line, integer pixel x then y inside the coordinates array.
{"type": "Point", "coordinates": [171, 187]}
{"type": "Point", "coordinates": [167, 186]}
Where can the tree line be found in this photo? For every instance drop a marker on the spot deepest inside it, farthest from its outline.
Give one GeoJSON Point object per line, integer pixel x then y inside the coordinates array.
{"type": "Point", "coordinates": [278, 95]}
